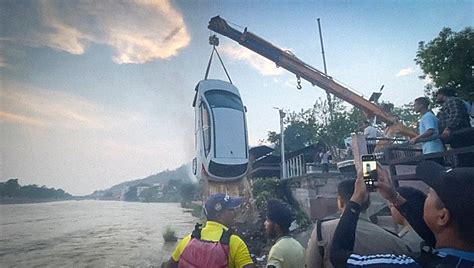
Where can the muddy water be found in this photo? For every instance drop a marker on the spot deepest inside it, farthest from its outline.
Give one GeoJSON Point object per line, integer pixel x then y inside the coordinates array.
{"type": "Point", "coordinates": [89, 233]}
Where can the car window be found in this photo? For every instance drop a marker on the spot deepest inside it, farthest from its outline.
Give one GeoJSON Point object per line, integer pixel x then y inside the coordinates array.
{"type": "Point", "coordinates": [223, 99]}
{"type": "Point", "coordinates": [206, 129]}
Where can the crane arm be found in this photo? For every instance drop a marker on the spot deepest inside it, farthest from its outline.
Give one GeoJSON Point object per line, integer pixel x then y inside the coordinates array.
{"type": "Point", "coordinates": [291, 63]}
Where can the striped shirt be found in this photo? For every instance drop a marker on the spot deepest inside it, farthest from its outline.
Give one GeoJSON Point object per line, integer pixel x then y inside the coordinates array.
{"type": "Point", "coordinates": [442, 258]}
{"type": "Point", "coordinates": [381, 260]}
{"type": "Point", "coordinates": [453, 115]}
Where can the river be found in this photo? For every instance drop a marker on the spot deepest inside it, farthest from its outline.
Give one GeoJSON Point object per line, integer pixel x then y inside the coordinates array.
{"type": "Point", "coordinates": [89, 233]}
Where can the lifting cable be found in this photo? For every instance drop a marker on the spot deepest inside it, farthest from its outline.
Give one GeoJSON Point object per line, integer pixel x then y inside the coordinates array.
{"type": "Point", "coordinates": [214, 41]}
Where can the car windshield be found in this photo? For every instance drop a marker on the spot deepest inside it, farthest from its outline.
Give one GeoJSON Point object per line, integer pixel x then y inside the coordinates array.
{"type": "Point", "coordinates": [223, 99]}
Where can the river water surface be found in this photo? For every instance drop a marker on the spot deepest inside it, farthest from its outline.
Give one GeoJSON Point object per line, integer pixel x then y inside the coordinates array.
{"type": "Point", "coordinates": [89, 233]}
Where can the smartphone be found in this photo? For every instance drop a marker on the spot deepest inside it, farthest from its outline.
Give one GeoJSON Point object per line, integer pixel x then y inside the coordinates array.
{"type": "Point", "coordinates": [369, 169]}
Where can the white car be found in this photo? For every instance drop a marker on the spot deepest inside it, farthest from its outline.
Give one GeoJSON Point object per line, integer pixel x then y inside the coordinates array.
{"type": "Point", "coordinates": [220, 132]}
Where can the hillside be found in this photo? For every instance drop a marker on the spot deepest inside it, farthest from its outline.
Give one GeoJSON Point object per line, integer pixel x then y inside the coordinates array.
{"type": "Point", "coordinates": [181, 173]}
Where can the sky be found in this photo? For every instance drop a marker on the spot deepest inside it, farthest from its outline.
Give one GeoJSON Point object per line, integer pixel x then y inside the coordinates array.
{"type": "Point", "coordinates": [94, 93]}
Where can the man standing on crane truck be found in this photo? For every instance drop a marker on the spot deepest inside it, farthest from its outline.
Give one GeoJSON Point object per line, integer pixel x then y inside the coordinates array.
{"type": "Point", "coordinates": [453, 116]}
{"type": "Point", "coordinates": [428, 128]}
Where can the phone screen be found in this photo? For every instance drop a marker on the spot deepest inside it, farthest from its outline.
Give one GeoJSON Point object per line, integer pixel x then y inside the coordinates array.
{"type": "Point", "coordinates": [369, 169]}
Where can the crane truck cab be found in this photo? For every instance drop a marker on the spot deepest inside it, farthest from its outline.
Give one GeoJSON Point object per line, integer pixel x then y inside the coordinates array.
{"type": "Point", "coordinates": [221, 140]}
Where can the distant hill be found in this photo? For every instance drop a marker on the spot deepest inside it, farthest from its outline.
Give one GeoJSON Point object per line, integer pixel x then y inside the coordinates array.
{"type": "Point", "coordinates": [181, 173]}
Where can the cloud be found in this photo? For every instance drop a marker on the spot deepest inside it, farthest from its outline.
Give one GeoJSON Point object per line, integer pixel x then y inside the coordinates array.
{"type": "Point", "coordinates": [405, 72]}
{"type": "Point", "coordinates": [20, 119]}
{"type": "Point", "coordinates": [259, 63]}
{"type": "Point", "coordinates": [65, 140]}
{"type": "Point", "coordinates": [50, 109]}
{"type": "Point", "coordinates": [138, 31]}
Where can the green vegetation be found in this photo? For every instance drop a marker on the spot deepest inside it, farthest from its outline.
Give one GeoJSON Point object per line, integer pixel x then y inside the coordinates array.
{"type": "Point", "coordinates": [195, 209]}
{"type": "Point", "coordinates": [169, 235]}
{"type": "Point", "coordinates": [406, 114]}
{"type": "Point", "coordinates": [264, 189]}
{"type": "Point", "coordinates": [448, 60]}
{"type": "Point", "coordinates": [13, 190]}
{"type": "Point", "coordinates": [316, 126]}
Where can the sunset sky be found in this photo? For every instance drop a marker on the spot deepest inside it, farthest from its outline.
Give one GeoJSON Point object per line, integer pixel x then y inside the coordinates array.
{"type": "Point", "coordinates": [95, 93]}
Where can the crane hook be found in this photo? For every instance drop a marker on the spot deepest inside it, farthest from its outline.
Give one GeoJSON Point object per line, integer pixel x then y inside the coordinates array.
{"type": "Point", "coordinates": [298, 82]}
{"type": "Point", "coordinates": [214, 40]}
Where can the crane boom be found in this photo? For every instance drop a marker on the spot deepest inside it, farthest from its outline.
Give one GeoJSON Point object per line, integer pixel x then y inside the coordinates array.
{"type": "Point", "coordinates": [291, 63]}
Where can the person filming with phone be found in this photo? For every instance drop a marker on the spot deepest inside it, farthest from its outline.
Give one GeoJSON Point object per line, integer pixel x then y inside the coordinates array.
{"type": "Point", "coordinates": [371, 238]}
{"type": "Point", "coordinates": [446, 221]}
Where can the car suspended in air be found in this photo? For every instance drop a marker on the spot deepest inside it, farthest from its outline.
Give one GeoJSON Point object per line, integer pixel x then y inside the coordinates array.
{"type": "Point", "coordinates": [220, 132]}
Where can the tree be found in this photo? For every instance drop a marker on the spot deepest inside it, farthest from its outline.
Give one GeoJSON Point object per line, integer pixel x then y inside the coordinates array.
{"type": "Point", "coordinates": [301, 131]}
{"type": "Point", "coordinates": [343, 122]}
{"type": "Point", "coordinates": [406, 114]}
{"type": "Point", "coordinates": [188, 192]}
{"type": "Point", "coordinates": [131, 194]}
{"type": "Point", "coordinates": [149, 194]}
{"type": "Point", "coordinates": [448, 60]}
{"type": "Point", "coordinates": [12, 187]}
{"type": "Point", "coordinates": [316, 126]}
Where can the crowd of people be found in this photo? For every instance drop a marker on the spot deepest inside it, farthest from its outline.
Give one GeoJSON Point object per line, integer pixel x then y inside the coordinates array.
{"type": "Point", "coordinates": [450, 126]}
{"type": "Point", "coordinates": [445, 222]}
{"type": "Point", "coordinates": [437, 229]}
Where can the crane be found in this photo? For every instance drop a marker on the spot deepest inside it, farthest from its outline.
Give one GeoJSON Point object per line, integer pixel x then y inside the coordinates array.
{"type": "Point", "coordinates": [290, 62]}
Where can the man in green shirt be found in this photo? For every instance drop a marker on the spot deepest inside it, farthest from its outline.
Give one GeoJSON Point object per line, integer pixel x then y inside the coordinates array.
{"type": "Point", "coordinates": [286, 252]}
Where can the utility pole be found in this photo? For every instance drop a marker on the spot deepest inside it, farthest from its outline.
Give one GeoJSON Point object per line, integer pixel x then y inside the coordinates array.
{"type": "Point", "coordinates": [325, 67]}
{"type": "Point", "coordinates": [322, 46]}
{"type": "Point", "coordinates": [282, 142]}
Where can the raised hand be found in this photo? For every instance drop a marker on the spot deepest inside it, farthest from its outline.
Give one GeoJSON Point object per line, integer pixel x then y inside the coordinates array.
{"type": "Point", "coordinates": [360, 191]}
{"type": "Point", "coordinates": [385, 188]}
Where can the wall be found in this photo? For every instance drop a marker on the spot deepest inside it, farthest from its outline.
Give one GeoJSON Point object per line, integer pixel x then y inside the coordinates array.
{"type": "Point", "coordinates": [316, 193]}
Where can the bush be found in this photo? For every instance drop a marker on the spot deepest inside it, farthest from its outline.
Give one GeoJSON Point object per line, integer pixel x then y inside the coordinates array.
{"type": "Point", "coordinates": [169, 235]}
{"type": "Point", "coordinates": [196, 210]}
{"type": "Point", "coordinates": [264, 189]}
{"type": "Point", "coordinates": [273, 186]}
{"type": "Point", "coordinates": [302, 219]}
{"type": "Point", "coordinates": [262, 198]}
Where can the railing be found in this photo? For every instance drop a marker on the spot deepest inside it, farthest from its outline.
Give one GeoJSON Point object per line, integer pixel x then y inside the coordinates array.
{"type": "Point", "coordinates": [407, 154]}
{"type": "Point", "coordinates": [372, 143]}
{"type": "Point", "coordinates": [295, 166]}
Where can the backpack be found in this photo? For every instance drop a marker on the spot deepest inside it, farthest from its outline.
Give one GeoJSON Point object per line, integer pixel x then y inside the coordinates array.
{"type": "Point", "coordinates": [319, 234]}
{"type": "Point", "coordinates": [201, 253]}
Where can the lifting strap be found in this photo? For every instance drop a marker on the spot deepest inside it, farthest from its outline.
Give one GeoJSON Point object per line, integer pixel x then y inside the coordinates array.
{"type": "Point", "coordinates": [197, 231]}
{"type": "Point", "coordinates": [319, 236]}
{"type": "Point", "coordinates": [218, 55]}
